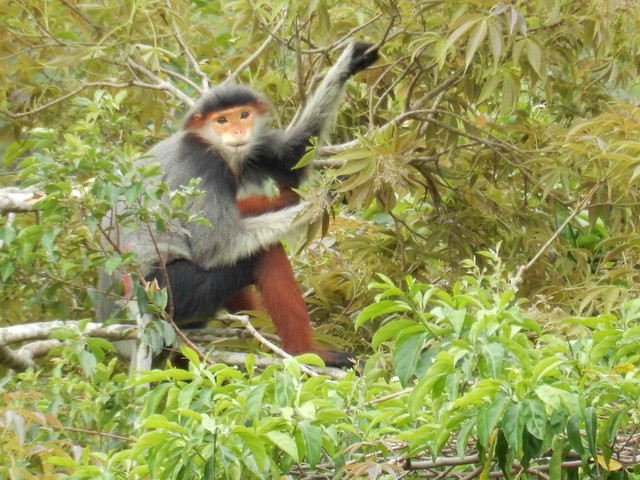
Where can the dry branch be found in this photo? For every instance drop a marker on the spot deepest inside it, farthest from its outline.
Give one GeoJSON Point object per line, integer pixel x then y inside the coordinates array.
{"type": "Point", "coordinates": [37, 335]}
{"type": "Point", "coordinates": [13, 199]}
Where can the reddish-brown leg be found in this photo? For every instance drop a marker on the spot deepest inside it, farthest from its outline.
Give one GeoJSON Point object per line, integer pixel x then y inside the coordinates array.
{"type": "Point", "coordinates": [283, 300]}
{"type": "Point", "coordinates": [281, 295]}
{"type": "Point", "coordinates": [245, 299]}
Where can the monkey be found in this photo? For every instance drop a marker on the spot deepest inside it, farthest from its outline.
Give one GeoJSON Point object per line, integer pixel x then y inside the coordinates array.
{"type": "Point", "coordinates": [225, 143]}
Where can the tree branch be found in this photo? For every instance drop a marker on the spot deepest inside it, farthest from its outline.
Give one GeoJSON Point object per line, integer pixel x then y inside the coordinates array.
{"type": "Point", "coordinates": [188, 54]}
{"type": "Point", "coordinates": [68, 95]}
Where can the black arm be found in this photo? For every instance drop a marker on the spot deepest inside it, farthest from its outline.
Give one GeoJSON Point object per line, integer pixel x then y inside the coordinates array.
{"type": "Point", "coordinates": [280, 150]}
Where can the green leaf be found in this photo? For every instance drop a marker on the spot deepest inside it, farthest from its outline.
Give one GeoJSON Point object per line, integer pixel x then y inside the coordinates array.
{"type": "Point", "coordinates": [152, 405]}
{"type": "Point", "coordinates": [462, 440]}
{"type": "Point", "coordinates": [378, 309]}
{"type": "Point", "coordinates": [475, 39]}
{"type": "Point", "coordinates": [391, 329]}
{"type": "Point", "coordinates": [555, 464]}
{"type": "Point", "coordinates": [504, 455]}
{"type": "Point", "coordinates": [495, 37]}
{"type": "Point", "coordinates": [253, 402]}
{"type": "Point", "coordinates": [312, 442]}
{"type": "Point", "coordinates": [7, 270]}
{"type": "Point", "coordinates": [494, 356]}
{"type": "Point", "coordinates": [284, 442]}
{"type": "Point", "coordinates": [7, 234]}
{"type": "Point", "coordinates": [406, 354]}
{"type": "Point", "coordinates": [535, 417]}
{"type": "Point", "coordinates": [284, 390]}
{"type": "Point", "coordinates": [488, 417]}
{"type": "Point", "coordinates": [459, 31]}
{"type": "Point", "coordinates": [210, 467]}
{"type": "Point", "coordinates": [62, 462]}
{"type": "Point", "coordinates": [532, 447]}
{"type": "Point", "coordinates": [442, 367]}
{"type": "Point", "coordinates": [621, 416]}
{"type": "Point", "coordinates": [484, 389]}
{"type": "Point", "coordinates": [88, 362]}
{"type": "Point", "coordinates": [48, 240]}
{"type": "Point", "coordinates": [555, 397]}
{"type": "Point", "coordinates": [255, 445]}
{"type": "Point", "coordinates": [545, 367]}
{"type": "Point", "coordinates": [534, 55]}
{"type": "Point", "coordinates": [112, 264]}
{"type": "Point", "coordinates": [149, 440]}
{"type": "Point", "coordinates": [513, 427]}
{"type": "Point", "coordinates": [189, 353]}
{"type": "Point", "coordinates": [162, 375]}
{"type": "Point", "coordinates": [591, 427]}
{"type": "Point", "coordinates": [574, 435]}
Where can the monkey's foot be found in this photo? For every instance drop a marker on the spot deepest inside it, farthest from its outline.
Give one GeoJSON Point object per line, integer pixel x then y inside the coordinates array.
{"type": "Point", "coordinates": [334, 358]}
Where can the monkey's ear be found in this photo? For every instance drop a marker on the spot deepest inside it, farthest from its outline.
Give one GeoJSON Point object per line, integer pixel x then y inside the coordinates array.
{"type": "Point", "coordinates": [194, 122]}
{"type": "Point", "coordinates": [262, 107]}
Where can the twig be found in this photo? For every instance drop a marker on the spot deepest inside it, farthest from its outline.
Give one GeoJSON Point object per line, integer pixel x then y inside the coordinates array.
{"type": "Point", "coordinates": [256, 54]}
{"type": "Point", "coordinates": [342, 40]}
{"type": "Point", "coordinates": [415, 109]}
{"type": "Point", "coordinates": [92, 432]}
{"type": "Point", "coordinates": [244, 319]}
{"type": "Point", "coordinates": [68, 95]}
{"type": "Point", "coordinates": [160, 83]}
{"type": "Point", "coordinates": [182, 78]}
{"type": "Point", "coordinates": [442, 462]}
{"type": "Point", "coordinates": [518, 277]}
{"type": "Point", "coordinates": [188, 54]}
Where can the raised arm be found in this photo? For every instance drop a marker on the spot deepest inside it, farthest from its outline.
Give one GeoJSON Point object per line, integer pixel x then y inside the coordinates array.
{"type": "Point", "coordinates": [281, 150]}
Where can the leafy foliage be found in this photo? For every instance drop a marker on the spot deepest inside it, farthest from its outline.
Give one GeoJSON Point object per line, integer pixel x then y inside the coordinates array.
{"type": "Point", "coordinates": [484, 244]}
{"type": "Point", "coordinates": [491, 377]}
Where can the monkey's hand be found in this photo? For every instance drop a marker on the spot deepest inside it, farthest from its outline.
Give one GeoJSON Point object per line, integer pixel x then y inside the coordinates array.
{"type": "Point", "coordinates": [360, 56]}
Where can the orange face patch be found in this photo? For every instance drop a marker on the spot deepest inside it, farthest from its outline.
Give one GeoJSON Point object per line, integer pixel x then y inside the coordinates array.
{"type": "Point", "coordinates": [231, 131]}
{"type": "Point", "coordinates": [234, 125]}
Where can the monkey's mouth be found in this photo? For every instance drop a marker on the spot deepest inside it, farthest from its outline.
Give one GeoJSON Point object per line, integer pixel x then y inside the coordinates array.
{"type": "Point", "coordinates": [239, 145]}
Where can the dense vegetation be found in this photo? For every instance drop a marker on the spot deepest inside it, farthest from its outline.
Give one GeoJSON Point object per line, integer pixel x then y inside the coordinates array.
{"type": "Point", "coordinates": [480, 251]}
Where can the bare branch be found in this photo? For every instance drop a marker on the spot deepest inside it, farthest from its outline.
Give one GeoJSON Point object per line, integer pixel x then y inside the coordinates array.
{"type": "Point", "coordinates": [43, 330]}
{"type": "Point", "coordinates": [66, 96]}
{"type": "Point", "coordinates": [14, 199]}
{"type": "Point", "coordinates": [416, 108]}
{"type": "Point", "coordinates": [14, 360]}
{"type": "Point", "coordinates": [188, 54]}
{"type": "Point", "coordinates": [182, 78]}
{"type": "Point", "coordinates": [160, 84]}
{"type": "Point", "coordinates": [244, 319]}
{"type": "Point", "coordinates": [37, 334]}
{"type": "Point", "coordinates": [256, 54]}
{"type": "Point", "coordinates": [518, 277]}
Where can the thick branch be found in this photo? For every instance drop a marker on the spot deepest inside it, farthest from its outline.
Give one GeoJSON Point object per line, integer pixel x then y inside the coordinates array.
{"type": "Point", "coordinates": [14, 360]}
{"type": "Point", "coordinates": [13, 199]}
{"type": "Point", "coordinates": [42, 330]}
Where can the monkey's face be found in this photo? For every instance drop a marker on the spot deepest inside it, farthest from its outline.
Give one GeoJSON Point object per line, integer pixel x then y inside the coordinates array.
{"type": "Point", "coordinates": [232, 130]}
{"type": "Point", "coordinates": [234, 127]}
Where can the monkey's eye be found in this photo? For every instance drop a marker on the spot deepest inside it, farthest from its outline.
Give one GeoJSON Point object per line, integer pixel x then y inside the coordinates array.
{"type": "Point", "coordinates": [222, 120]}
{"type": "Point", "coordinates": [244, 115]}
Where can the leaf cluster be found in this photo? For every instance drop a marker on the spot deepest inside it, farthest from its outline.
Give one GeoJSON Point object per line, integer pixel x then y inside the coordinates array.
{"type": "Point", "coordinates": [482, 387]}
{"type": "Point", "coordinates": [483, 125]}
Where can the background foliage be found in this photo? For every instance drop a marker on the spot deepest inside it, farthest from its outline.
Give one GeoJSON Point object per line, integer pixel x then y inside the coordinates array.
{"type": "Point", "coordinates": [486, 130]}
